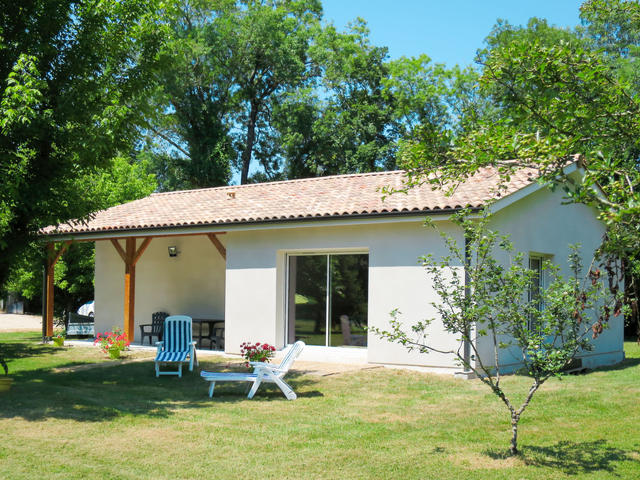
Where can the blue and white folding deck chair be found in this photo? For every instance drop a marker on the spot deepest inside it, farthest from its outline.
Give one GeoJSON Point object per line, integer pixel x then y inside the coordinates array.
{"type": "Point", "coordinates": [176, 345]}
{"type": "Point", "coordinates": [262, 372]}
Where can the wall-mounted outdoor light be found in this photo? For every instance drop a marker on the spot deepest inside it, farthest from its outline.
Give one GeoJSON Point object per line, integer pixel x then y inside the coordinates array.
{"type": "Point", "coordinates": [173, 251]}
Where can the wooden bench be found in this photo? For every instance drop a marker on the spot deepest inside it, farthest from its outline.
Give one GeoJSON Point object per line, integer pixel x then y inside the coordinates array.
{"type": "Point", "coordinates": [80, 325]}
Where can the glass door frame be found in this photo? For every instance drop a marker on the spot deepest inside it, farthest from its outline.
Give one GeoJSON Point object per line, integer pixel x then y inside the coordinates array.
{"type": "Point", "coordinates": [327, 310]}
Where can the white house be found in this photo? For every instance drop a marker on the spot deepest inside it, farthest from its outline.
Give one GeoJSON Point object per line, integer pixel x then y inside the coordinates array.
{"type": "Point", "coordinates": [318, 259]}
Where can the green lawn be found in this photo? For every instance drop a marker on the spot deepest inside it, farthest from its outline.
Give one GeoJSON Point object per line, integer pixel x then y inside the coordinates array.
{"type": "Point", "coordinates": [120, 422]}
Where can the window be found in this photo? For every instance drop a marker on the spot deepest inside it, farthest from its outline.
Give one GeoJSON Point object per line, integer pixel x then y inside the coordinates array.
{"type": "Point", "coordinates": [327, 299]}
{"type": "Point", "coordinates": [537, 283]}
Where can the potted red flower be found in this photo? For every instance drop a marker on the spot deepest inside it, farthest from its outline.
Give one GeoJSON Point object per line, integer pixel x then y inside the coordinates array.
{"type": "Point", "coordinates": [112, 343]}
{"type": "Point", "coordinates": [257, 352]}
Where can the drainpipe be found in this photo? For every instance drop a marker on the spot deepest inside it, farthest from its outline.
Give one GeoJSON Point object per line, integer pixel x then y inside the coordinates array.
{"type": "Point", "coordinates": [467, 294]}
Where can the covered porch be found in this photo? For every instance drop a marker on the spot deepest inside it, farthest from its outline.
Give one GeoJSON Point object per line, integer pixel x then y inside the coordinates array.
{"type": "Point", "coordinates": [138, 275]}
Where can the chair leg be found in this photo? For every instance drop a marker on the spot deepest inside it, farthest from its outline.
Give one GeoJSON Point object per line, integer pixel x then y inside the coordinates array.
{"type": "Point", "coordinates": [211, 387]}
{"type": "Point", "coordinates": [254, 388]}
{"type": "Point", "coordinates": [180, 370]}
{"type": "Point", "coordinates": [157, 370]}
{"type": "Point", "coordinates": [286, 389]}
{"type": "Point", "coordinates": [192, 358]}
{"type": "Point", "coordinates": [284, 386]}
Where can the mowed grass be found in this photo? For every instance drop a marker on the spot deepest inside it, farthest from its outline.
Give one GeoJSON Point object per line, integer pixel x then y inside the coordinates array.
{"type": "Point", "coordinates": [120, 422]}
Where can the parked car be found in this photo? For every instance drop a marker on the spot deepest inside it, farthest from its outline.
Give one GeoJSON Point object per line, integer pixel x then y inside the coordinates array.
{"type": "Point", "coordinates": [88, 309]}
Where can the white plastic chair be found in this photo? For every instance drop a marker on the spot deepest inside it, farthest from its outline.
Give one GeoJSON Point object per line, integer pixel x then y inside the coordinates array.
{"type": "Point", "coordinates": [176, 345]}
{"type": "Point", "coordinates": [262, 373]}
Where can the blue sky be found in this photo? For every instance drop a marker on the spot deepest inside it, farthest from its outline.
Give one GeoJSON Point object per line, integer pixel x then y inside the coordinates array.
{"type": "Point", "coordinates": [449, 31]}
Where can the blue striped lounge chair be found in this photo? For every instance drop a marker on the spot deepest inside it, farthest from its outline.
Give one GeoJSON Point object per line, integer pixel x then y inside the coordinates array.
{"type": "Point", "coordinates": [176, 345]}
{"type": "Point", "coordinates": [262, 373]}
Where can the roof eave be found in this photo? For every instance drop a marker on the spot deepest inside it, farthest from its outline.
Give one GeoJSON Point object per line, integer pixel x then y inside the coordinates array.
{"type": "Point", "coordinates": [226, 226]}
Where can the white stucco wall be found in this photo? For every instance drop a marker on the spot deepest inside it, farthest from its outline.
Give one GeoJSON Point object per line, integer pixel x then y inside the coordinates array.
{"type": "Point", "coordinates": [192, 283]}
{"type": "Point", "coordinates": [256, 272]}
{"type": "Point", "coordinates": [540, 224]}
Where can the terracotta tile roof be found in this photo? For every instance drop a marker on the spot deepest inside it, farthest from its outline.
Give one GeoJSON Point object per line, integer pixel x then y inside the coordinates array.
{"type": "Point", "coordinates": [322, 197]}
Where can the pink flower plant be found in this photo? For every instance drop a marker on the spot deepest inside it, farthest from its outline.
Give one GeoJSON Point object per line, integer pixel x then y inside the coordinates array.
{"type": "Point", "coordinates": [115, 340]}
{"type": "Point", "coordinates": [257, 352]}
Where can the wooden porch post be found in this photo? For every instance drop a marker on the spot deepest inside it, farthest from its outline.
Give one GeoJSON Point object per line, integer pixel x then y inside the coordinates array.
{"type": "Point", "coordinates": [130, 256]}
{"type": "Point", "coordinates": [52, 258]}
{"type": "Point", "coordinates": [129, 288]}
{"type": "Point", "coordinates": [49, 300]}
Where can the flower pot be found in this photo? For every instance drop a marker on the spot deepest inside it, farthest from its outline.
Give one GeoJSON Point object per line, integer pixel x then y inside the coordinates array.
{"type": "Point", "coordinates": [114, 353]}
{"type": "Point", "coordinates": [58, 341]}
{"type": "Point", "coordinates": [5, 383]}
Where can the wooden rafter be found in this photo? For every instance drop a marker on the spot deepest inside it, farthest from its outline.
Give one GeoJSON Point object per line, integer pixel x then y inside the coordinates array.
{"type": "Point", "coordinates": [141, 250]}
{"type": "Point", "coordinates": [216, 242]}
{"type": "Point", "coordinates": [119, 249]}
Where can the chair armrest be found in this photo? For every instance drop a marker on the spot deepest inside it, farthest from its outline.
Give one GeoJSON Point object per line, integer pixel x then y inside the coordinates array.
{"type": "Point", "coordinates": [266, 366]}
{"type": "Point", "coordinates": [160, 344]}
{"type": "Point", "coordinates": [261, 364]}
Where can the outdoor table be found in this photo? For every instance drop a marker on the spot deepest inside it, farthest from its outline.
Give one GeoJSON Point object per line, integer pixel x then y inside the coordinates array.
{"type": "Point", "coordinates": [212, 324]}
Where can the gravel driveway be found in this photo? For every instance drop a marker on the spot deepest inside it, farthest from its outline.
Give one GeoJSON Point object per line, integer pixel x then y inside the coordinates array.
{"type": "Point", "coordinates": [20, 323]}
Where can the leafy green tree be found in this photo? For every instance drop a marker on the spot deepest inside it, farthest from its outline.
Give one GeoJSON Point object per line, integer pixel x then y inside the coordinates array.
{"type": "Point", "coordinates": [559, 100]}
{"type": "Point", "coordinates": [124, 181]}
{"type": "Point", "coordinates": [270, 42]}
{"type": "Point", "coordinates": [189, 138]}
{"type": "Point", "coordinates": [224, 67]}
{"type": "Point", "coordinates": [72, 73]}
{"type": "Point", "coordinates": [489, 304]}
{"type": "Point", "coordinates": [614, 26]}
{"type": "Point", "coordinates": [295, 98]}
{"type": "Point", "coordinates": [363, 105]}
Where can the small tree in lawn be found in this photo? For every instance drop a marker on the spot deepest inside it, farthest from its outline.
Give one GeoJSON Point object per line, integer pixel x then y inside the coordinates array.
{"type": "Point", "coordinates": [545, 330]}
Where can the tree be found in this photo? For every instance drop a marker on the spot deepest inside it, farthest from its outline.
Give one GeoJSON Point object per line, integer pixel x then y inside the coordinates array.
{"type": "Point", "coordinates": [341, 124]}
{"type": "Point", "coordinates": [614, 27]}
{"type": "Point", "coordinates": [224, 67]}
{"type": "Point", "coordinates": [72, 73]}
{"type": "Point", "coordinates": [126, 180]}
{"type": "Point", "coordinates": [559, 100]}
{"type": "Point", "coordinates": [491, 303]}
{"type": "Point", "coordinates": [364, 107]}
{"type": "Point", "coordinates": [270, 40]}
{"type": "Point", "coordinates": [189, 131]}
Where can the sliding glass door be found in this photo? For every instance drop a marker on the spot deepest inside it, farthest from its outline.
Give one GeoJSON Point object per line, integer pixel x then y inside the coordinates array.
{"type": "Point", "coordinates": [327, 299]}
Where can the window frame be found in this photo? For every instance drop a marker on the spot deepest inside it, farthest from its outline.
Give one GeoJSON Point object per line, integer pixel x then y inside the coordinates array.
{"type": "Point", "coordinates": [541, 282]}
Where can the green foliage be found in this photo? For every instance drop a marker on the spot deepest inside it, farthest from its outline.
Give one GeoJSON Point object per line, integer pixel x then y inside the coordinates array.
{"type": "Point", "coordinates": [126, 180]}
{"type": "Point", "coordinates": [223, 67]}
{"type": "Point", "coordinates": [490, 302]}
{"type": "Point", "coordinates": [560, 96]}
{"type": "Point", "coordinates": [614, 27]}
{"type": "Point", "coordinates": [293, 97]}
{"type": "Point", "coordinates": [72, 74]}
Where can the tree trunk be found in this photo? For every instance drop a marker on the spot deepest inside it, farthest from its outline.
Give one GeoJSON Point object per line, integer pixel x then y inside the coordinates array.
{"type": "Point", "coordinates": [513, 448]}
{"type": "Point", "coordinates": [251, 138]}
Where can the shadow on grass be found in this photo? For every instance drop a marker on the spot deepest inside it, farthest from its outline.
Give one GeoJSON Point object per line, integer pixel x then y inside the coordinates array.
{"type": "Point", "coordinates": [626, 363]}
{"type": "Point", "coordinates": [573, 458]}
{"type": "Point", "coordinates": [103, 393]}
{"type": "Point", "coordinates": [17, 349]}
